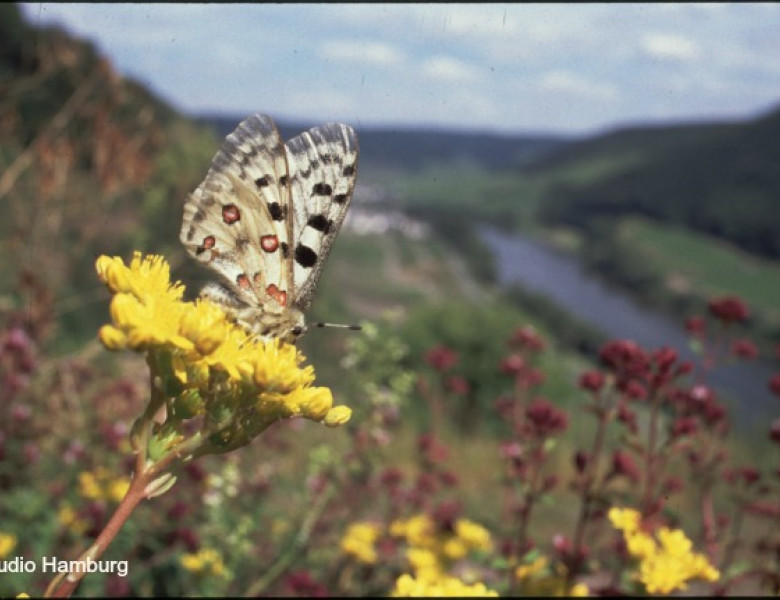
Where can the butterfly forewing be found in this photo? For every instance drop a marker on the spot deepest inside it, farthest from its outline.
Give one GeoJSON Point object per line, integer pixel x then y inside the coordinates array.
{"type": "Point", "coordinates": [323, 166]}
{"type": "Point", "coordinates": [237, 221]}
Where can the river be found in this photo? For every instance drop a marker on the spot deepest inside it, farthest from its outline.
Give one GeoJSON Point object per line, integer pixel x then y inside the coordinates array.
{"type": "Point", "coordinates": [560, 277]}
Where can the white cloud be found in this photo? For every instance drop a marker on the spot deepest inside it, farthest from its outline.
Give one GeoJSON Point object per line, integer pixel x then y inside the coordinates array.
{"type": "Point", "coordinates": [447, 68]}
{"type": "Point", "coordinates": [377, 53]}
{"type": "Point", "coordinates": [670, 47]}
{"type": "Point", "coordinates": [570, 83]}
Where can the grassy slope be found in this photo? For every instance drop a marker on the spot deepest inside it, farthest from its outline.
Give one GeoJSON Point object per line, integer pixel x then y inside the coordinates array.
{"type": "Point", "coordinates": [696, 263]}
{"type": "Point", "coordinates": [390, 279]}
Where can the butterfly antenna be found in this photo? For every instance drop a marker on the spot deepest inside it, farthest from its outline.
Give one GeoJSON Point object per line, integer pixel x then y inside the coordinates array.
{"type": "Point", "coordinates": [340, 325]}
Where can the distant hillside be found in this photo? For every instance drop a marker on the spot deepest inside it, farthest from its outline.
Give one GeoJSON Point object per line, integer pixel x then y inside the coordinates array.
{"type": "Point", "coordinates": [721, 179]}
{"type": "Point", "coordinates": [413, 149]}
{"type": "Point", "coordinates": [92, 163]}
{"type": "Point", "coordinates": [649, 140]}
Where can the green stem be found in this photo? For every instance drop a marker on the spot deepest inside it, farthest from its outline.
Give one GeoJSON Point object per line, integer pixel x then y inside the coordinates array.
{"type": "Point", "coordinates": [298, 543]}
{"type": "Point", "coordinates": [587, 496]}
{"type": "Point", "coordinates": [650, 455]}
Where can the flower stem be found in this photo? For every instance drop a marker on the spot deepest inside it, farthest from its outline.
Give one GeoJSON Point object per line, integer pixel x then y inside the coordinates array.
{"type": "Point", "coordinates": [589, 480]}
{"type": "Point", "coordinates": [298, 543]}
{"type": "Point", "coordinates": [65, 583]}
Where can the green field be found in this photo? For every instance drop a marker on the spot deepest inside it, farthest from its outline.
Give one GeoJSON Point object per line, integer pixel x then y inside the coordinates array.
{"type": "Point", "coordinates": [692, 263]}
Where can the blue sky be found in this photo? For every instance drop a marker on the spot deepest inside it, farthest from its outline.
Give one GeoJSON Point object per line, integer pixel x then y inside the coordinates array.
{"type": "Point", "coordinates": [565, 68]}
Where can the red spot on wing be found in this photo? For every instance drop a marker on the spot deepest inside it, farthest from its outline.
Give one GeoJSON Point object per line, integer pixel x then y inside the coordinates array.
{"type": "Point", "coordinates": [243, 282]}
{"type": "Point", "coordinates": [230, 214]}
{"type": "Point", "coordinates": [269, 243]}
{"type": "Point", "coordinates": [279, 295]}
{"type": "Point", "coordinates": [208, 242]}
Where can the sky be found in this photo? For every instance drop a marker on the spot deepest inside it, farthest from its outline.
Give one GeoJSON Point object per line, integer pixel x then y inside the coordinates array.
{"type": "Point", "coordinates": [505, 68]}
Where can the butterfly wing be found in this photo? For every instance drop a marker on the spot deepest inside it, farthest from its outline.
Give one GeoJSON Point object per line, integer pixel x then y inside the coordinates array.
{"type": "Point", "coordinates": [322, 164]}
{"type": "Point", "coordinates": [238, 220]}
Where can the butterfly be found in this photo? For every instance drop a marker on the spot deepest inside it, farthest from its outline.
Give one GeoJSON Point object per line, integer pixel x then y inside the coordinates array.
{"type": "Point", "coordinates": [265, 219]}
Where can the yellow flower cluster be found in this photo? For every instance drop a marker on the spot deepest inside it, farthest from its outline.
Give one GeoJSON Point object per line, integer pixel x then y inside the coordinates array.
{"type": "Point", "coordinates": [7, 544]}
{"type": "Point", "coordinates": [666, 563]}
{"type": "Point", "coordinates": [101, 485]}
{"type": "Point", "coordinates": [431, 552]}
{"type": "Point", "coordinates": [203, 363]}
{"type": "Point", "coordinates": [539, 578]}
{"type": "Point", "coordinates": [417, 587]}
{"type": "Point", "coordinates": [359, 542]}
{"type": "Point", "coordinates": [204, 562]}
{"type": "Point", "coordinates": [420, 533]}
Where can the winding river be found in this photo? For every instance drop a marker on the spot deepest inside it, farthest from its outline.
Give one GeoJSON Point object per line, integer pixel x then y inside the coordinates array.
{"type": "Point", "coordinates": [563, 280]}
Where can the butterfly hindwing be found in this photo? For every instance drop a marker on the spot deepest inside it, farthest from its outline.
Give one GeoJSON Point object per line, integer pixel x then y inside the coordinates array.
{"type": "Point", "coordinates": [322, 164]}
{"type": "Point", "coordinates": [238, 221]}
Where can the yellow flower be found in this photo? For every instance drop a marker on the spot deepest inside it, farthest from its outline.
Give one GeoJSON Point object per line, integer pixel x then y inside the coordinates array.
{"type": "Point", "coordinates": [204, 562]}
{"type": "Point", "coordinates": [418, 530]}
{"type": "Point", "coordinates": [474, 536]}
{"type": "Point", "coordinates": [625, 519]}
{"type": "Point", "coordinates": [674, 564]}
{"type": "Point", "coordinates": [117, 489]}
{"type": "Point", "coordinates": [205, 325]}
{"type": "Point", "coordinates": [89, 487]}
{"type": "Point", "coordinates": [454, 548]}
{"type": "Point", "coordinates": [666, 564]}
{"type": "Point", "coordinates": [532, 569]}
{"type": "Point", "coordinates": [432, 552]}
{"type": "Point", "coordinates": [69, 519]}
{"type": "Point", "coordinates": [7, 544]}
{"type": "Point", "coordinates": [579, 590]}
{"type": "Point", "coordinates": [359, 541]}
{"type": "Point", "coordinates": [146, 278]}
{"type": "Point", "coordinates": [277, 369]}
{"type": "Point", "coordinates": [338, 415]}
{"type": "Point", "coordinates": [99, 485]}
{"type": "Point", "coordinates": [425, 563]}
{"type": "Point", "coordinates": [640, 544]}
{"type": "Point", "coordinates": [408, 586]}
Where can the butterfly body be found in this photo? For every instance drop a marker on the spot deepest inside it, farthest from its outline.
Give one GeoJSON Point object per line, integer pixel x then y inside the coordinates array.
{"type": "Point", "coordinates": [265, 219]}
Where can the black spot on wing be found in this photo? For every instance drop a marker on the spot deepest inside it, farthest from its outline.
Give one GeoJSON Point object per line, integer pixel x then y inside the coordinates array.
{"type": "Point", "coordinates": [320, 223]}
{"type": "Point", "coordinates": [263, 181]}
{"type": "Point", "coordinates": [284, 180]}
{"type": "Point", "coordinates": [349, 170]}
{"type": "Point", "coordinates": [285, 250]}
{"type": "Point", "coordinates": [340, 198]}
{"type": "Point", "coordinates": [276, 210]}
{"type": "Point", "coordinates": [321, 189]}
{"type": "Point", "coordinates": [305, 256]}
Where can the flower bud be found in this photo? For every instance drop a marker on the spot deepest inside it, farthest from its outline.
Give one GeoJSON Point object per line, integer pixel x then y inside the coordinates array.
{"type": "Point", "coordinates": [338, 415]}
{"type": "Point", "coordinates": [112, 338]}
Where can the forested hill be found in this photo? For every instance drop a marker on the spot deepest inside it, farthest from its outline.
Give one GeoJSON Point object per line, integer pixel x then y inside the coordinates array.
{"type": "Point", "coordinates": [413, 149]}
{"type": "Point", "coordinates": [721, 179]}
